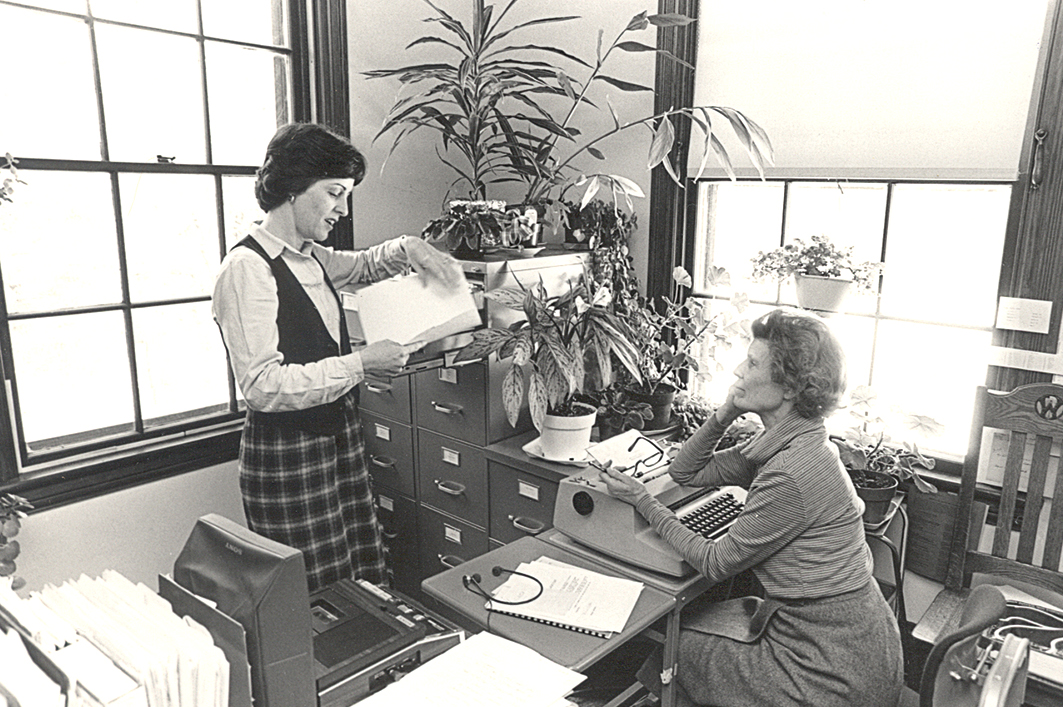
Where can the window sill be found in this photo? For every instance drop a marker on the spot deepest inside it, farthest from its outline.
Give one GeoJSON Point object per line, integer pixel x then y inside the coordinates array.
{"type": "Point", "coordinates": [67, 482]}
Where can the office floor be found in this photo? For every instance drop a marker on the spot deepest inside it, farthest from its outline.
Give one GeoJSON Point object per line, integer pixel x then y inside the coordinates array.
{"type": "Point", "coordinates": [613, 674]}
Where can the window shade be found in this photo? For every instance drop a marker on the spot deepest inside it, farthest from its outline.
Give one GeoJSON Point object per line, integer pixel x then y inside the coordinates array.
{"type": "Point", "coordinates": [923, 89]}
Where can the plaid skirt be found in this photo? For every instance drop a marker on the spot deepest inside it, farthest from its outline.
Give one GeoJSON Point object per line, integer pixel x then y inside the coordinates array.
{"type": "Point", "coordinates": [313, 492]}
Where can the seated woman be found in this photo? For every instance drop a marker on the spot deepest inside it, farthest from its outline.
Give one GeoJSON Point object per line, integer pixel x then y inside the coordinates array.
{"type": "Point", "coordinates": [824, 634]}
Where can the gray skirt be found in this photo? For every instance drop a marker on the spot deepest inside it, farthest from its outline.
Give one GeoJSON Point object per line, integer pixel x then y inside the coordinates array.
{"type": "Point", "coordinates": [841, 651]}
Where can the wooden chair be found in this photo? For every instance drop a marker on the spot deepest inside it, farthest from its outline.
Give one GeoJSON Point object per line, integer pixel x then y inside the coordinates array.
{"type": "Point", "coordinates": [1029, 414]}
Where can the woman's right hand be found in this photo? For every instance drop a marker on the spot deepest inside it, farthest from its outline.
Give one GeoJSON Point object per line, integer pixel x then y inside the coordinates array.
{"type": "Point", "coordinates": [385, 358]}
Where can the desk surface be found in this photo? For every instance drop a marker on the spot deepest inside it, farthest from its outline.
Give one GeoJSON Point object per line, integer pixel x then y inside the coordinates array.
{"type": "Point", "coordinates": [569, 648]}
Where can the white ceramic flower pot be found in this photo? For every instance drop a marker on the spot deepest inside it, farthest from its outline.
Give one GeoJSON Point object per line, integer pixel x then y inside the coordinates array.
{"type": "Point", "coordinates": [567, 438]}
{"type": "Point", "coordinates": [824, 294]}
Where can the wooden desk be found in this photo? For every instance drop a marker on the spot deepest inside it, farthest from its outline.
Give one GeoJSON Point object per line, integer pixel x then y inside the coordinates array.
{"type": "Point", "coordinates": [569, 648]}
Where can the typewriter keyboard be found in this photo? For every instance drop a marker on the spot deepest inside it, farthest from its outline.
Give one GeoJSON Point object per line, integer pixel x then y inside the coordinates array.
{"type": "Point", "coordinates": [711, 517]}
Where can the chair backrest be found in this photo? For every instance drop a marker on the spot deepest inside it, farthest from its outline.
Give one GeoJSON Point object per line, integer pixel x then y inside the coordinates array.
{"type": "Point", "coordinates": [1030, 413]}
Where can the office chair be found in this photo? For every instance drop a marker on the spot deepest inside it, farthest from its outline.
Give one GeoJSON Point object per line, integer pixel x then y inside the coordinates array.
{"type": "Point", "coordinates": [959, 672]}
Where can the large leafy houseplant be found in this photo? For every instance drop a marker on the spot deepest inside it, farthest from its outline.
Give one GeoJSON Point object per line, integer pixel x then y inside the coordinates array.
{"type": "Point", "coordinates": [502, 110]}
{"type": "Point", "coordinates": [564, 346]}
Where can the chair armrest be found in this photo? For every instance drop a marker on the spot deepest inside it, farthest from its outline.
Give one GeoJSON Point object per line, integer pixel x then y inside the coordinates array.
{"type": "Point", "coordinates": [941, 616]}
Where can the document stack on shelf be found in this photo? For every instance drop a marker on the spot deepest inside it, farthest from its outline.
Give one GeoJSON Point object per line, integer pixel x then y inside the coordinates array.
{"type": "Point", "coordinates": [120, 644]}
{"type": "Point", "coordinates": [572, 597]}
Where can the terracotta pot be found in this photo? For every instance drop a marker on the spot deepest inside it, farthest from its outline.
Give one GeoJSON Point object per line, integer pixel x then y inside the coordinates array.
{"type": "Point", "coordinates": [825, 294]}
{"type": "Point", "coordinates": [877, 500]}
{"type": "Point", "coordinates": [567, 438]}
{"type": "Point", "coordinates": [661, 401]}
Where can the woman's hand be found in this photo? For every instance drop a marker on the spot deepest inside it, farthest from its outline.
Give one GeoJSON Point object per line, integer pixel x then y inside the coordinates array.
{"type": "Point", "coordinates": [622, 486]}
{"type": "Point", "coordinates": [386, 358]}
{"type": "Point", "coordinates": [729, 411]}
{"type": "Point", "coordinates": [433, 263]}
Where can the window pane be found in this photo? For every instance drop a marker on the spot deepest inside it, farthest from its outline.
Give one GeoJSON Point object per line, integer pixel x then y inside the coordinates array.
{"type": "Point", "coordinates": [35, 120]}
{"type": "Point", "coordinates": [241, 208]}
{"type": "Point", "coordinates": [180, 360]}
{"type": "Point", "coordinates": [152, 95]}
{"type": "Point", "coordinates": [57, 243]}
{"type": "Point", "coordinates": [73, 374]}
{"type": "Point", "coordinates": [246, 20]}
{"type": "Point", "coordinates": [935, 224]}
{"type": "Point", "coordinates": [177, 15]}
{"type": "Point", "coordinates": [171, 234]}
{"type": "Point", "coordinates": [249, 100]}
{"type": "Point", "coordinates": [737, 221]}
{"type": "Point", "coordinates": [932, 370]}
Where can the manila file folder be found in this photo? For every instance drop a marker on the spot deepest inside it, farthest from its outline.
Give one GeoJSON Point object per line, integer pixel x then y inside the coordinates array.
{"type": "Point", "coordinates": [409, 308]}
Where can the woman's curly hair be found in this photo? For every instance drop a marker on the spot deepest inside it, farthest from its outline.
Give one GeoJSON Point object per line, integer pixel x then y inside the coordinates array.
{"type": "Point", "coordinates": [806, 359]}
{"type": "Point", "coordinates": [300, 154]}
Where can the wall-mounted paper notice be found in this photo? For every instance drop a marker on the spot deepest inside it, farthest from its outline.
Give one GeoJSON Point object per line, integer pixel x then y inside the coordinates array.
{"type": "Point", "coordinates": [408, 309]}
{"type": "Point", "coordinates": [1022, 314]}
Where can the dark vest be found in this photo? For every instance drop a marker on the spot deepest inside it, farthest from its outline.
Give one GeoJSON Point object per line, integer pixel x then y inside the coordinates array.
{"type": "Point", "coordinates": [304, 338]}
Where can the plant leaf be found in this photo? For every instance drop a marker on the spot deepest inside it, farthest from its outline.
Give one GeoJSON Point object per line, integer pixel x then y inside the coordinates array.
{"type": "Point", "coordinates": [513, 393]}
{"type": "Point", "coordinates": [669, 19]}
{"type": "Point", "coordinates": [537, 399]}
{"type": "Point", "coordinates": [622, 85]}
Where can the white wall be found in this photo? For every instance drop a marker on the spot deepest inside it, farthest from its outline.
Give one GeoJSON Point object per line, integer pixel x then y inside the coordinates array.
{"type": "Point", "coordinates": [413, 186]}
{"type": "Point", "coordinates": [137, 532]}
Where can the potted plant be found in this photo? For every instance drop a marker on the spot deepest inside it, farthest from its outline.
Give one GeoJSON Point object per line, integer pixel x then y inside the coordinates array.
{"type": "Point", "coordinates": [670, 341]}
{"type": "Point", "coordinates": [877, 463]}
{"type": "Point", "coordinates": [618, 412]}
{"type": "Point", "coordinates": [503, 108]}
{"type": "Point", "coordinates": [469, 228]}
{"type": "Point", "coordinates": [564, 346]}
{"type": "Point", "coordinates": [823, 272]}
{"type": "Point", "coordinates": [12, 510]}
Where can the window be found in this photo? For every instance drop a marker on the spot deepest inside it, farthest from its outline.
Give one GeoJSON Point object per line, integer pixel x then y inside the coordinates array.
{"type": "Point", "coordinates": [137, 128]}
{"type": "Point", "coordinates": [921, 339]}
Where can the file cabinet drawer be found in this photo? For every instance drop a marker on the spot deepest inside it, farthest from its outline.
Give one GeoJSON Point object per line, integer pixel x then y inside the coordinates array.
{"type": "Point", "coordinates": [447, 542]}
{"type": "Point", "coordinates": [451, 401]}
{"type": "Point", "coordinates": [389, 453]}
{"type": "Point", "coordinates": [398, 518]}
{"type": "Point", "coordinates": [452, 476]}
{"type": "Point", "coordinates": [388, 398]}
{"type": "Point", "coordinates": [521, 504]}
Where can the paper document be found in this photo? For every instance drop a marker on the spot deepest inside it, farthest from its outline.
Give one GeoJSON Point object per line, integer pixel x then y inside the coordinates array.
{"type": "Point", "coordinates": [572, 597]}
{"type": "Point", "coordinates": [405, 310]}
{"type": "Point", "coordinates": [483, 671]}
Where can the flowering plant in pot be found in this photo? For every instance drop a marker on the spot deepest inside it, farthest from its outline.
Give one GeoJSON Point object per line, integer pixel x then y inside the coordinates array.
{"type": "Point", "coordinates": [813, 263]}
{"type": "Point", "coordinates": [671, 341]}
{"type": "Point", "coordinates": [877, 462]}
{"type": "Point", "coordinates": [564, 346]}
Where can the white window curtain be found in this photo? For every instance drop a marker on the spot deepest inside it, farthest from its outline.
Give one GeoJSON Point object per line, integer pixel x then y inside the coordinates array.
{"type": "Point", "coordinates": [892, 89]}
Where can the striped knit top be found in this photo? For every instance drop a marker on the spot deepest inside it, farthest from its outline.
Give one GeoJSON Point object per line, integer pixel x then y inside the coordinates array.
{"type": "Point", "coordinates": [801, 530]}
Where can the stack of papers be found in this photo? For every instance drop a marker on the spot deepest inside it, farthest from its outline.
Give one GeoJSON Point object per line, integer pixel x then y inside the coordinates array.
{"type": "Point", "coordinates": [122, 644]}
{"type": "Point", "coordinates": [572, 597]}
{"type": "Point", "coordinates": [22, 678]}
{"type": "Point", "coordinates": [633, 453]}
{"type": "Point", "coordinates": [483, 671]}
{"type": "Point", "coordinates": [411, 309]}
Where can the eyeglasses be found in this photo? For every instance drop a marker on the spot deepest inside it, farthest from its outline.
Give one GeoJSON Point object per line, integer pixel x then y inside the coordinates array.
{"type": "Point", "coordinates": [647, 462]}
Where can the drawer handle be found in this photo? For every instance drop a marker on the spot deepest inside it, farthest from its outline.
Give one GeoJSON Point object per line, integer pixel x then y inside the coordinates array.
{"type": "Point", "coordinates": [449, 561]}
{"type": "Point", "coordinates": [378, 388]}
{"type": "Point", "coordinates": [527, 525]}
{"type": "Point", "coordinates": [389, 536]}
{"type": "Point", "coordinates": [446, 408]}
{"type": "Point", "coordinates": [452, 488]}
{"type": "Point", "coordinates": [386, 462]}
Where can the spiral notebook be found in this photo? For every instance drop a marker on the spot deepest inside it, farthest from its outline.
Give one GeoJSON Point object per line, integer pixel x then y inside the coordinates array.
{"type": "Point", "coordinates": [573, 598]}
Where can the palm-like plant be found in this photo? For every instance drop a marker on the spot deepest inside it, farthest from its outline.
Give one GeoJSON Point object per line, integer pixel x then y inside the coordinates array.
{"type": "Point", "coordinates": [486, 105]}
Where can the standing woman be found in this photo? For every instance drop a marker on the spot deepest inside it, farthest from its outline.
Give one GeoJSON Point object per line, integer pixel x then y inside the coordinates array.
{"type": "Point", "coordinates": [303, 475]}
{"type": "Point", "coordinates": [824, 634]}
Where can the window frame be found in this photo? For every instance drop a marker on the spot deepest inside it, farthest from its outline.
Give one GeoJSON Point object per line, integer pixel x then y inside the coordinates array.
{"type": "Point", "coordinates": [319, 92]}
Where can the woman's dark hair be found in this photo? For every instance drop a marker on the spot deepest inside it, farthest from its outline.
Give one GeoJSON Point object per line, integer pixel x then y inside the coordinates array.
{"type": "Point", "coordinates": [300, 154]}
{"type": "Point", "coordinates": [806, 359]}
